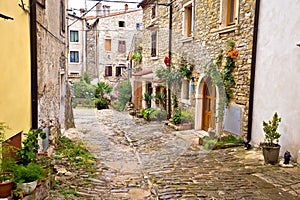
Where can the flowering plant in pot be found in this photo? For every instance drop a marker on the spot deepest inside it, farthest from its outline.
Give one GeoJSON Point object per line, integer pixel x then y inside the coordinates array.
{"type": "Point", "coordinates": [270, 145]}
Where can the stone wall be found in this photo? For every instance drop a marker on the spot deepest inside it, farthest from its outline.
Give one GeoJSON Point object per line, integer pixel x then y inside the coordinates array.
{"type": "Point", "coordinates": [208, 39]}
{"type": "Point", "coordinates": [54, 105]}
{"type": "Point", "coordinates": [92, 51]}
{"type": "Point", "coordinates": [108, 27]}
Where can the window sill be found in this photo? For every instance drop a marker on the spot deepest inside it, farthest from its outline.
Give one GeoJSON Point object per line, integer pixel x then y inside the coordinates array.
{"type": "Point", "coordinates": [154, 58]}
{"type": "Point", "coordinates": [186, 39]}
{"type": "Point", "coordinates": [226, 29]}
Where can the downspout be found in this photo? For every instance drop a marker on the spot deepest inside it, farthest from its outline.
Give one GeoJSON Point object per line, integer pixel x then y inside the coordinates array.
{"type": "Point", "coordinates": [252, 77]}
{"type": "Point", "coordinates": [33, 58]}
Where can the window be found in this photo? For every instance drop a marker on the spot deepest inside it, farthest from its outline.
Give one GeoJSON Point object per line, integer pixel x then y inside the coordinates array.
{"type": "Point", "coordinates": [107, 44]}
{"type": "Point", "coordinates": [74, 36]}
{"type": "Point", "coordinates": [120, 69]}
{"type": "Point", "coordinates": [153, 11]}
{"type": "Point", "coordinates": [188, 19]}
{"type": "Point", "coordinates": [62, 16]}
{"type": "Point", "coordinates": [121, 24]}
{"type": "Point", "coordinates": [229, 13]}
{"type": "Point", "coordinates": [74, 56]}
{"type": "Point", "coordinates": [122, 47]}
{"type": "Point", "coordinates": [108, 70]}
{"type": "Point", "coordinates": [154, 44]}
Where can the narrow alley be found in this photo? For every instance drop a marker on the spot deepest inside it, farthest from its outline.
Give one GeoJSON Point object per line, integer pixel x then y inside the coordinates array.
{"type": "Point", "coordinates": [142, 160]}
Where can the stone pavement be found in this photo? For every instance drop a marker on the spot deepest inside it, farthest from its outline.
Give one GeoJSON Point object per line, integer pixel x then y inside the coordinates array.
{"type": "Point", "coordinates": [142, 160]}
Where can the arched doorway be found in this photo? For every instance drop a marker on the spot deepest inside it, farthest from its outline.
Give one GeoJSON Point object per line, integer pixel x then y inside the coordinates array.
{"type": "Point", "coordinates": [209, 105]}
{"type": "Point", "coordinates": [205, 113]}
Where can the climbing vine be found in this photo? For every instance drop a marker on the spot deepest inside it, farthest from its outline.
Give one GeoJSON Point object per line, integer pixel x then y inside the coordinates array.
{"type": "Point", "coordinates": [223, 78]}
{"type": "Point", "coordinates": [231, 55]}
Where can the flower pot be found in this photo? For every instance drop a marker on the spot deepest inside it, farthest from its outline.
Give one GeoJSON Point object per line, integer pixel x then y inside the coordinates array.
{"type": "Point", "coordinates": [28, 187]}
{"type": "Point", "coordinates": [6, 188]}
{"type": "Point", "coordinates": [271, 154]}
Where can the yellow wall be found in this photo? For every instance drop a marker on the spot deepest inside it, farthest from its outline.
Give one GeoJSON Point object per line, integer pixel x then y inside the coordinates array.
{"type": "Point", "coordinates": [15, 95]}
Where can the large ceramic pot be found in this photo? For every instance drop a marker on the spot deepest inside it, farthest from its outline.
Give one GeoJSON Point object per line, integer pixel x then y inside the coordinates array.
{"type": "Point", "coordinates": [28, 187]}
{"type": "Point", "coordinates": [271, 154]}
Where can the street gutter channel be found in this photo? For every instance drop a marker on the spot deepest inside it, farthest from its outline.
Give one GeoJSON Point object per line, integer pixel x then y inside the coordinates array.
{"type": "Point", "coordinates": [153, 190]}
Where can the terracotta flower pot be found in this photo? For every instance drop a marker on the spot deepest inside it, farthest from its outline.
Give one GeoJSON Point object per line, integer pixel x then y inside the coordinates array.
{"type": "Point", "coordinates": [6, 188]}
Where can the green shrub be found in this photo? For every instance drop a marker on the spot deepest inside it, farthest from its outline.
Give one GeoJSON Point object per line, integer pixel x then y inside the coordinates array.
{"type": "Point", "coordinates": [27, 173]}
{"type": "Point", "coordinates": [83, 90]}
{"type": "Point", "coordinates": [101, 103]}
{"type": "Point", "coordinates": [147, 112]}
{"type": "Point", "coordinates": [158, 115]}
{"type": "Point", "coordinates": [121, 95]}
{"type": "Point", "coordinates": [181, 116]}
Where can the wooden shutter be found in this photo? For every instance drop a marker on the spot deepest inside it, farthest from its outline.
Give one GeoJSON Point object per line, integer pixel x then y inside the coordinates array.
{"type": "Point", "coordinates": [107, 44]}
{"type": "Point", "coordinates": [108, 71]}
{"type": "Point", "coordinates": [122, 47]}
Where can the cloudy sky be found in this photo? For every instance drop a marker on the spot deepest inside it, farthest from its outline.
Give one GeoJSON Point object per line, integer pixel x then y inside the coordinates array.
{"type": "Point", "coordinates": [77, 4]}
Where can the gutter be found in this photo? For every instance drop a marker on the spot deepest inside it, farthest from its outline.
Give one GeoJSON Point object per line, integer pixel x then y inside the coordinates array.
{"type": "Point", "coordinates": [33, 59]}
{"type": "Point", "coordinates": [247, 144]}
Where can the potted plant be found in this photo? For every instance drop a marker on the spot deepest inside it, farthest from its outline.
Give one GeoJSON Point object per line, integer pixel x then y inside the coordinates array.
{"type": "Point", "coordinates": [26, 176]}
{"type": "Point", "coordinates": [6, 177]}
{"type": "Point", "coordinates": [270, 145]}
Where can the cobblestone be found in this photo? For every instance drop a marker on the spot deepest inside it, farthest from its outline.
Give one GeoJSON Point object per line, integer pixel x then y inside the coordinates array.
{"type": "Point", "coordinates": [142, 160]}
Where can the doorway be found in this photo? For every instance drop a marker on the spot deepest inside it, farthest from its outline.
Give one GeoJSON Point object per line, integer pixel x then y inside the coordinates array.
{"type": "Point", "coordinates": [209, 105]}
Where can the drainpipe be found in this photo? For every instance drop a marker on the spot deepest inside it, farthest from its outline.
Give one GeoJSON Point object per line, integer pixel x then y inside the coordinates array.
{"type": "Point", "coordinates": [170, 55]}
{"type": "Point", "coordinates": [252, 78]}
{"type": "Point", "coordinates": [34, 78]}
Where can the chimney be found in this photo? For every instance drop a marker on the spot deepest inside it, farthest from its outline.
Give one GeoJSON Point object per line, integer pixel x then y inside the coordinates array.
{"type": "Point", "coordinates": [126, 7]}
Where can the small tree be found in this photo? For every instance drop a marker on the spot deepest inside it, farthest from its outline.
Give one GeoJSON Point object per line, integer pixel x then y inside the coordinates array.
{"type": "Point", "coordinates": [122, 95]}
{"type": "Point", "coordinates": [102, 98]}
{"type": "Point", "coordinates": [270, 129]}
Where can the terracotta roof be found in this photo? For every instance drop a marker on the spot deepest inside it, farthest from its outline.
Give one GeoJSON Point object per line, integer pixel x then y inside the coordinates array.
{"type": "Point", "coordinates": [143, 72]}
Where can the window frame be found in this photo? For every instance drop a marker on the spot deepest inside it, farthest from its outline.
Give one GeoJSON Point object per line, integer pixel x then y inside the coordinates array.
{"type": "Point", "coordinates": [121, 24]}
{"type": "Point", "coordinates": [188, 19]}
{"type": "Point", "coordinates": [226, 12]}
{"type": "Point", "coordinates": [62, 17]}
{"type": "Point", "coordinates": [119, 70]}
{"type": "Point", "coordinates": [108, 70]}
{"type": "Point", "coordinates": [153, 13]}
{"type": "Point", "coordinates": [75, 60]}
{"type": "Point", "coordinates": [154, 43]}
{"type": "Point", "coordinates": [74, 31]}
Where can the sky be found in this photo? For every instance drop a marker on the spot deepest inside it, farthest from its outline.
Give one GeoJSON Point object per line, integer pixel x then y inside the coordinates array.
{"type": "Point", "coordinates": [77, 4]}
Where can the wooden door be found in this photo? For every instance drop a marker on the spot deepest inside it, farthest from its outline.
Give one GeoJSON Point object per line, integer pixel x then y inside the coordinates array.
{"type": "Point", "coordinates": [208, 106]}
{"type": "Point", "coordinates": [138, 97]}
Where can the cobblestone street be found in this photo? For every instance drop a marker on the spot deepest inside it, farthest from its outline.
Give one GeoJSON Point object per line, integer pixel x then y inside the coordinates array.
{"type": "Point", "coordinates": [142, 160]}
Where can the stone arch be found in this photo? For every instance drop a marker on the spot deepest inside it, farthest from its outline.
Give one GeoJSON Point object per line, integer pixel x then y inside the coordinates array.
{"type": "Point", "coordinates": [199, 102]}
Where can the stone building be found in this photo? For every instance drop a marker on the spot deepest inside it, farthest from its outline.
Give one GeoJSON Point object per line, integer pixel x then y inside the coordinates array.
{"type": "Point", "coordinates": [77, 47]}
{"type": "Point", "coordinates": [200, 29]}
{"type": "Point", "coordinates": [53, 94]}
{"type": "Point", "coordinates": [276, 66]}
{"type": "Point", "coordinates": [116, 32]}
